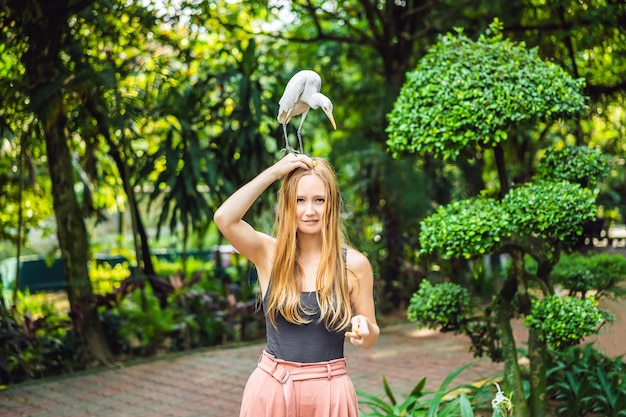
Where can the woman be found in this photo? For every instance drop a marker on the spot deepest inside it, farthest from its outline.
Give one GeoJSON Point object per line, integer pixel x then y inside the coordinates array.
{"type": "Point", "coordinates": [313, 288]}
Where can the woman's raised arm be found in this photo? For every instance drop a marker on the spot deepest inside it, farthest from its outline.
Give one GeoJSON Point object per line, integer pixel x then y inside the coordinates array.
{"type": "Point", "coordinates": [229, 216]}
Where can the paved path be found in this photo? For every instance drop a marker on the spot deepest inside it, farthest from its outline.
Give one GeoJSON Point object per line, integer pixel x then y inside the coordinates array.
{"type": "Point", "coordinates": [209, 383]}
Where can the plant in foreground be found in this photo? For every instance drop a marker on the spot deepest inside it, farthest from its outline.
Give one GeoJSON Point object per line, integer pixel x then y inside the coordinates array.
{"type": "Point", "coordinates": [501, 404]}
{"type": "Point", "coordinates": [584, 381]}
{"type": "Point", "coordinates": [420, 403]}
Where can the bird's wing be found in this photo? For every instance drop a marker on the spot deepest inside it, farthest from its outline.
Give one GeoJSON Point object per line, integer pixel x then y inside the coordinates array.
{"type": "Point", "coordinates": [291, 95]}
{"type": "Point", "coordinates": [312, 85]}
{"type": "Point", "coordinates": [299, 94]}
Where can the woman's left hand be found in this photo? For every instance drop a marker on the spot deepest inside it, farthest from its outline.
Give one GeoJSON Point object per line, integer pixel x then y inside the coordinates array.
{"type": "Point", "coordinates": [360, 330]}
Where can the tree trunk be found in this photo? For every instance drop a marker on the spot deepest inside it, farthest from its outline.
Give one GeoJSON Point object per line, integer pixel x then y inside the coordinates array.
{"type": "Point", "coordinates": [44, 25]}
{"type": "Point", "coordinates": [512, 374]}
{"type": "Point", "coordinates": [140, 236]}
{"type": "Point", "coordinates": [73, 241]}
{"type": "Point", "coordinates": [391, 269]}
{"type": "Point", "coordinates": [501, 166]}
{"type": "Point", "coordinates": [537, 351]}
{"type": "Point", "coordinates": [139, 232]}
{"type": "Point", "coordinates": [522, 284]}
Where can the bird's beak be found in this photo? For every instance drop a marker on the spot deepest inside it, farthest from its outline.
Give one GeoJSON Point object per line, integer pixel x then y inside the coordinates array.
{"type": "Point", "coordinates": [330, 116]}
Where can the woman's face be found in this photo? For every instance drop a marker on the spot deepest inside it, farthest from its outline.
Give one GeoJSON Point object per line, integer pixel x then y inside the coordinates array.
{"type": "Point", "coordinates": [310, 204]}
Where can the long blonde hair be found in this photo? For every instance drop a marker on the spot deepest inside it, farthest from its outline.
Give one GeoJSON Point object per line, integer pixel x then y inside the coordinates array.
{"type": "Point", "coordinates": [333, 293]}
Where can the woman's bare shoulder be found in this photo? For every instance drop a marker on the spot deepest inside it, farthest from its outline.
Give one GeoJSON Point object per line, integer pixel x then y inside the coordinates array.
{"type": "Point", "coordinates": [358, 262]}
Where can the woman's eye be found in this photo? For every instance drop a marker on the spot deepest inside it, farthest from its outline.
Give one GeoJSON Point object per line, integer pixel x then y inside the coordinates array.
{"type": "Point", "coordinates": [299, 200]}
{"type": "Point", "coordinates": [320, 200]}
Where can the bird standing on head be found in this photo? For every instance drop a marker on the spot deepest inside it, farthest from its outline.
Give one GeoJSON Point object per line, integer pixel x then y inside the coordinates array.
{"type": "Point", "coordinates": [302, 93]}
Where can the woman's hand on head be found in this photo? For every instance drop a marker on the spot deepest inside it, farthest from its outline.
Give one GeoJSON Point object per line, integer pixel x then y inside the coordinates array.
{"type": "Point", "coordinates": [292, 161]}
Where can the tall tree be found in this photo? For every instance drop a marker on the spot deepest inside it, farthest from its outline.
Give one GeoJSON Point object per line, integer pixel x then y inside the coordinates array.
{"type": "Point", "coordinates": [479, 93]}
{"type": "Point", "coordinates": [42, 29]}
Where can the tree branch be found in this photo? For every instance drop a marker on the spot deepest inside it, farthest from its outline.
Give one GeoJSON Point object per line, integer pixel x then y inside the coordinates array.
{"type": "Point", "coordinates": [595, 91]}
{"type": "Point", "coordinates": [78, 7]}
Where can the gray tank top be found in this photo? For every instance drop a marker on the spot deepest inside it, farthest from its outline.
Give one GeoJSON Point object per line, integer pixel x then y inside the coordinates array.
{"type": "Point", "coordinates": [304, 343]}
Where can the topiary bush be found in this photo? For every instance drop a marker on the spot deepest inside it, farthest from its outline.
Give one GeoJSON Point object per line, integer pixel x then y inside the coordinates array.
{"type": "Point", "coordinates": [465, 93]}
{"type": "Point", "coordinates": [443, 305]}
{"type": "Point", "coordinates": [565, 321]}
{"type": "Point", "coordinates": [577, 164]}
{"type": "Point", "coordinates": [556, 210]}
{"type": "Point", "coordinates": [465, 228]}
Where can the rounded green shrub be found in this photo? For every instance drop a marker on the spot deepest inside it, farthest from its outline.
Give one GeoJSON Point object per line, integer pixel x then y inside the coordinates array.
{"type": "Point", "coordinates": [556, 210]}
{"type": "Point", "coordinates": [565, 321]}
{"type": "Point", "coordinates": [465, 228]}
{"type": "Point", "coordinates": [578, 164]}
{"type": "Point", "coordinates": [443, 305]}
{"type": "Point", "coordinates": [467, 93]}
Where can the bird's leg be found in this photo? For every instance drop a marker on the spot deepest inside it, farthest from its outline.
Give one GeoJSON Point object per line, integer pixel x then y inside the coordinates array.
{"type": "Point", "coordinates": [287, 147]}
{"type": "Point", "coordinates": [300, 141]}
{"type": "Point", "coordinates": [299, 131]}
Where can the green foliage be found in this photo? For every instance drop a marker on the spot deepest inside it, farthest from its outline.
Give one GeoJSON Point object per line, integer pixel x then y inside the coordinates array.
{"type": "Point", "coordinates": [465, 97]}
{"type": "Point", "coordinates": [477, 226]}
{"type": "Point", "coordinates": [577, 164]}
{"type": "Point", "coordinates": [552, 210]}
{"type": "Point", "coordinates": [443, 305]}
{"type": "Point", "coordinates": [583, 380]}
{"type": "Point", "coordinates": [37, 342]}
{"type": "Point", "coordinates": [379, 407]}
{"type": "Point", "coordinates": [420, 403]}
{"type": "Point", "coordinates": [598, 273]}
{"type": "Point", "coordinates": [467, 93]}
{"type": "Point", "coordinates": [144, 321]}
{"type": "Point", "coordinates": [194, 264]}
{"type": "Point", "coordinates": [104, 276]}
{"type": "Point", "coordinates": [35, 207]}
{"type": "Point", "coordinates": [209, 306]}
{"type": "Point", "coordinates": [565, 321]}
{"type": "Point", "coordinates": [465, 228]}
{"type": "Point", "coordinates": [202, 309]}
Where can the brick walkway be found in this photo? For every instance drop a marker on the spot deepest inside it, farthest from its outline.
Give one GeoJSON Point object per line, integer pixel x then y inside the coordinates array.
{"type": "Point", "coordinates": [210, 383]}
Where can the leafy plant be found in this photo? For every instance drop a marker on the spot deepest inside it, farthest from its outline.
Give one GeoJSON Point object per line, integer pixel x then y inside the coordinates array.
{"type": "Point", "coordinates": [104, 276]}
{"type": "Point", "coordinates": [466, 227]}
{"type": "Point", "coordinates": [193, 265]}
{"type": "Point", "coordinates": [555, 210]}
{"type": "Point", "coordinates": [547, 318]}
{"type": "Point", "coordinates": [37, 341]}
{"type": "Point", "coordinates": [144, 321]}
{"type": "Point", "coordinates": [420, 403]}
{"type": "Point", "coordinates": [582, 274]}
{"type": "Point", "coordinates": [576, 164]}
{"type": "Point", "coordinates": [443, 305]}
{"type": "Point", "coordinates": [583, 381]}
{"type": "Point", "coordinates": [379, 407]}
{"type": "Point", "coordinates": [465, 93]}
{"type": "Point", "coordinates": [202, 313]}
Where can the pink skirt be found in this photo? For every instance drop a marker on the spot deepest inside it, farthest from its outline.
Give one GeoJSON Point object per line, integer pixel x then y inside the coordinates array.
{"type": "Point", "coordinates": [280, 388]}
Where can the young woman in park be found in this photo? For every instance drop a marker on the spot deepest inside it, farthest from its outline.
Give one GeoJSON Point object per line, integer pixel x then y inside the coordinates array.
{"type": "Point", "coordinates": [316, 291]}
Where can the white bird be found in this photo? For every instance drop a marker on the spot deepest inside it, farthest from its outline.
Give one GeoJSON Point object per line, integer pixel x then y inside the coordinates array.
{"type": "Point", "coordinates": [302, 93]}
